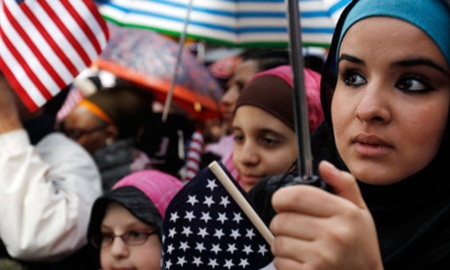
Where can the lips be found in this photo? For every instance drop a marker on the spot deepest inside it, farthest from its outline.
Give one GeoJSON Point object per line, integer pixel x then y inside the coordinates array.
{"type": "Point", "coordinates": [371, 145]}
{"type": "Point", "coordinates": [370, 139]}
{"type": "Point", "coordinates": [250, 178]}
{"type": "Point", "coordinates": [123, 268]}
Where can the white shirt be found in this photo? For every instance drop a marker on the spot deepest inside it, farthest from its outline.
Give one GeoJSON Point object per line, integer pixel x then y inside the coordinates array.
{"type": "Point", "coordinates": [46, 195]}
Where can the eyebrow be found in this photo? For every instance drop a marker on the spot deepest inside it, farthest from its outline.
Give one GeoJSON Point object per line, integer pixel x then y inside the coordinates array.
{"type": "Point", "coordinates": [401, 63]}
{"type": "Point", "coordinates": [268, 130]}
{"type": "Point", "coordinates": [351, 59]}
{"type": "Point", "coordinates": [263, 131]}
{"type": "Point", "coordinates": [420, 62]}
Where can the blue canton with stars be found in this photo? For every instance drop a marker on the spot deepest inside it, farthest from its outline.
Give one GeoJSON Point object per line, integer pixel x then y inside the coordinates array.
{"type": "Point", "coordinates": [205, 229]}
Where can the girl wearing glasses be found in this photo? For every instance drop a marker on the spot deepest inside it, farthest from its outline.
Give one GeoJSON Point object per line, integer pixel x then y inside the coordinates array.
{"type": "Point", "coordinates": [125, 222]}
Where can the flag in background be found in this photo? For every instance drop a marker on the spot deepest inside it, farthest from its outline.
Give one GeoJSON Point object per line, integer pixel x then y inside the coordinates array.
{"type": "Point", "coordinates": [44, 45]}
{"type": "Point", "coordinates": [204, 228]}
{"type": "Point", "coordinates": [194, 155]}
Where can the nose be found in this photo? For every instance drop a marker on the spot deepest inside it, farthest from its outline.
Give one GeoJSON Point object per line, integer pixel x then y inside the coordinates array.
{"type": "Point", "coordinates": [373, 105]}
{"type": "Point", "coordinates": [246, 154]}
{"type": "Point", "coordinates": [118, 248]}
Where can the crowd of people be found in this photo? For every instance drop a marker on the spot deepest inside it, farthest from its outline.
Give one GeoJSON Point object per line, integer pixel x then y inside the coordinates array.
{"type": "Point", "coordinates": [90, 191]}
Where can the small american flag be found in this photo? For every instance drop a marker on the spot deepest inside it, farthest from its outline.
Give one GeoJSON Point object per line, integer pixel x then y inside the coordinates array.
{"type": "Point", "coordinates": [204, 228]}
{"type": "Point", "coordinates": [44, 45]}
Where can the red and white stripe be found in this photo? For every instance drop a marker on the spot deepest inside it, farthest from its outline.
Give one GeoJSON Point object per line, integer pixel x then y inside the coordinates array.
{"type": "Point", "coordinates": [44, 45]}
{"type": "Point", "coordinates": [194, 154]}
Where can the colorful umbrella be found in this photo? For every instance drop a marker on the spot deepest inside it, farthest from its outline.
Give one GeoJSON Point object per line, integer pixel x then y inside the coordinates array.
{"type": "Point", "coordinates": [229, 22]}
{"type": "Point", "coordinates": [149, 59]}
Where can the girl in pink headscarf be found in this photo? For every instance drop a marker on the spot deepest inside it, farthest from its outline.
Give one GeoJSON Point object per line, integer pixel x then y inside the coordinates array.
{"type": "Point", "coordinates": [126, 222]}
{"type": "Point", "coordinates": [263, 124]}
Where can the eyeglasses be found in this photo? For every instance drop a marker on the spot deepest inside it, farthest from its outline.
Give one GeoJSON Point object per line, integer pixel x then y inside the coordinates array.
{"type": "Point", "coordinates": [130, 238]}
{"type": "Point", "coordinates": [77, 133]}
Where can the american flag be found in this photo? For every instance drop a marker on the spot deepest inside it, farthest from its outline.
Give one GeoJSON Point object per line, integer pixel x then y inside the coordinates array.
{"type": "Point", "coordinates": [44, 45]}
{"type": "Point", "coordinates": [204, 228]}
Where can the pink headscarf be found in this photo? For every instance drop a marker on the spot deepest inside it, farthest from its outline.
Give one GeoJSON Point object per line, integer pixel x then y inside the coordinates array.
{"type": "Point", "coordinates": [159, 187]}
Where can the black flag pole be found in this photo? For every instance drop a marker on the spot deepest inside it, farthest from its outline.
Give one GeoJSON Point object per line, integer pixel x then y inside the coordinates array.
{"type": "Point", "coordinates": [305, 158]}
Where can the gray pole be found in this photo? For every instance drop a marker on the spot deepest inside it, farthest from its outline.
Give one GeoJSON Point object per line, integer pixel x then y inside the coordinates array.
{"type": "Point", "coordinates": [304, 161]}
{"type": "Point", "coordinates": [168, 101]}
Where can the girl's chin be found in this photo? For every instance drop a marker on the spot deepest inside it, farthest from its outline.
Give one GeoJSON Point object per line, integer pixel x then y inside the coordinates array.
{"type": "Point", "coordinates": [250, 180]}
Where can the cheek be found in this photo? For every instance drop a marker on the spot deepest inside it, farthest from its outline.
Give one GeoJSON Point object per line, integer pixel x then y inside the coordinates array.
{"type": "Point", "coordinates": [149, 259]}
{"type": "Point", "coordinates": [427, 139]}
{"type": "Point", "coordinates": [342, 116]}
{"type": "Point", "coordinates": [339, 114]}
{"type": "Point", "coordinates": [234, 156]}
{"type": "Point", "coordinates": [281, 161]}
{"type": "Point", "coordinates": [105, 261]}
{"type": "Point", "coordinates": [236, 153]}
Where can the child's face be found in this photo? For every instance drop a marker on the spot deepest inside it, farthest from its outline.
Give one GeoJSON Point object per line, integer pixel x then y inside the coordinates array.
{"type": "Point", "coordinates": [265, 146]}
{"type": "Point", "coordinates": [118, 255]}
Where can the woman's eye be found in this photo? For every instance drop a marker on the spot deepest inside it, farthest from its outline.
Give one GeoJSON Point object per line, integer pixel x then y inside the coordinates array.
{"type": "Point", "coordinates": [413, 84]}
{"type": "Point", "coordinates": [353, 78]}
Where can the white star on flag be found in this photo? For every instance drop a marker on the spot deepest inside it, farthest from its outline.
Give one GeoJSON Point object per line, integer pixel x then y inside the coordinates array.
{"type": "Point", "coordinates": [209, 201]}
{"type": "Point", "coordinates": [174, 217]}
{"type": "Point", "coordinates": [197, 261]}
{"type": "Point", "coordinates": [200, 247]}
{"type": "Point", "coordinates": [189, 215]}
{"type": "Point", "coordinates": [219, 233]}
{"type": "Point", "coordinates": [181, 261]}
{"type": "Point", "coordinates": [187, 231]}
{"type": "Point", "coordinates": [250, 233]}
{"type": "Point", "coordinates": [237, 217]}
{"type": "Point", "coordinates": [211, 184]}
{"type": "Point", "coordinates": [192, 200]}
{"type": "Point", "coordinates": [231, 248]}
{"type": "Point", "coordinates": [203, 233]}
{"type": "Point", "coordinates": [205, 217]}
{"type": "Point", "coordinates": [222, 217]}
{"type": "Point", "coordinates": [224, 201]}
{"type": "Point", "coordinates": [172, 233]}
